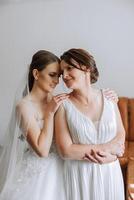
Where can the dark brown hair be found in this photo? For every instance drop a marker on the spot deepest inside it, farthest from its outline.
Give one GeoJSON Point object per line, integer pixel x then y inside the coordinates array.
{"type": "Point", "coordinates": [39, 61]}
{"type": "Point", "coordinates": [83, 58]}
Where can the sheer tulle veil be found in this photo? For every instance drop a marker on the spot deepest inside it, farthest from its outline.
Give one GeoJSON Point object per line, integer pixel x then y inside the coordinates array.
{"type": "Point", "coordinates": [14, 143]}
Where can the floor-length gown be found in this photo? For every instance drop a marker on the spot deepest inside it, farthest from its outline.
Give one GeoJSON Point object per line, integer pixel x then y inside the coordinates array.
{"type": "Point", "coordinates": [38, 178]}
{"type": "Point", "coordinates": [87, 180]}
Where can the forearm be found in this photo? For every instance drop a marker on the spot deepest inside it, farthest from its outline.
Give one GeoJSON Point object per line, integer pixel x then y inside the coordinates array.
{"type": "Point", "coordinates": [46, 135]}
{"type": "Point", "coordinates": [76, 151]}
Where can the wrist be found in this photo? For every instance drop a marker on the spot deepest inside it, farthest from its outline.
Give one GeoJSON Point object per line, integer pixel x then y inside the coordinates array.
{"type": "Point", "coordinates": [49, 115]}
{"type": "Point", "coordinates": [102, 147]}
{"type": "Point", "coordinates": [96, 147]}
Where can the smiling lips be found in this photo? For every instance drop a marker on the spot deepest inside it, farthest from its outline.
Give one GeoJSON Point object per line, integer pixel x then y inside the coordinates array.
{"type": "Point", "coordinates": [66, 81]}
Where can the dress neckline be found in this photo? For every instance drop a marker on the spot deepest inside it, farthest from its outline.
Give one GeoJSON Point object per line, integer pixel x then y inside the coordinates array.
{"type": "Point", "coordinates": [87, 118]}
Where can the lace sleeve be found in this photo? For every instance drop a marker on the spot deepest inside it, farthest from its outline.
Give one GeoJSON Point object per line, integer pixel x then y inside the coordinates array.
{"type": "Point", "coordinates": [24, 113]}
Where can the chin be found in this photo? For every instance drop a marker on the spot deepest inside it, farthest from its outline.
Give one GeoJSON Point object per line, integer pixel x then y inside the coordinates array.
{"type": "Point", "coordinates": [51, 90]}
{"type": "Point", "coordinates": [70, 86]}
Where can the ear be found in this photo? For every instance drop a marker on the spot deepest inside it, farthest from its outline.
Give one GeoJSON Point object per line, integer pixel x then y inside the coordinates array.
{"type": "Point", "coordinates": [35, 74]}
{"type": "Point", "coordinates": [84, 68]}
{"type": "Point", "coordinates": [88, 70]}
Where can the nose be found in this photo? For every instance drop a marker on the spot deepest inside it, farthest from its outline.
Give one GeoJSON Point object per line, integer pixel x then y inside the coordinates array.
{"type": "Point", "coordinates": [65, 74]}
{"type": "Point", "coordinates": [56, 80]}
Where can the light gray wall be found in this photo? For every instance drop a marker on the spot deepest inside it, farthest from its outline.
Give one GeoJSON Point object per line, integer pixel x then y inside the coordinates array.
{"type": "Point", "coordinates": [105, 28]}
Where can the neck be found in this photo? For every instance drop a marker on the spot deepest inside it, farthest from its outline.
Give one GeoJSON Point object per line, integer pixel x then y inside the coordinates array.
{"type": "Point", "coordinates": [38, 95]}
{"type": "Point", "coordinates": [84, 95]}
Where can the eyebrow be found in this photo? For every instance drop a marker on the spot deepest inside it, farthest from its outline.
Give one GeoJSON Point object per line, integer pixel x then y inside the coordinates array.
{"type": "Point", "coordinates": [54, 72]}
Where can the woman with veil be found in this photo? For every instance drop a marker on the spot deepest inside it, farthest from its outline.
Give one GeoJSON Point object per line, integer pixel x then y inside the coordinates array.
{"type": "Point", "coordinates": [30, 168]}
{"type": "Point", "coordinates": [26, 170]}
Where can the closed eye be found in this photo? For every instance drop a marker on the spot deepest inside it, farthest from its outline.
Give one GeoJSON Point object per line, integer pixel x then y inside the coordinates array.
{"type": "Point", "coordinates": [70, 67]}
{"type": "Point", "coordinates": [67, 68]}
{"type": "Point", "coordinates": [54, 74]}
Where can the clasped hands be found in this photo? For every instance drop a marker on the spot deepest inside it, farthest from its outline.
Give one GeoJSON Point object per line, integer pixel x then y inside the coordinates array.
{"type": "Point", "coordinates": [100, 157]}
{"type": "Point", "coordinates": [105, 155]}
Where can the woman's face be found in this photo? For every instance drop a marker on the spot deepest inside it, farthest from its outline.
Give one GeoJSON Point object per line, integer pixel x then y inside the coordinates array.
{"type": "Point", "coordinates": [73, 77]}
{"type": "Point", "coordinates": [48, 78]}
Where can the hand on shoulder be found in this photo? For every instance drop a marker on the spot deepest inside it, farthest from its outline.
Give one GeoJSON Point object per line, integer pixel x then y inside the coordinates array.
{"type": "Point", "coordinates": [111, 95]}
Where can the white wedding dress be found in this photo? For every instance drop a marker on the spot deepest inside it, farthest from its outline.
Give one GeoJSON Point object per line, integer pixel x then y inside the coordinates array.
{"type": "Point", "coordinates": [87, 180]}
{"type": "Point", "coordinates": [38, 178]}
